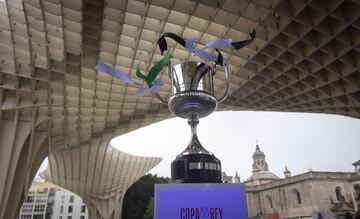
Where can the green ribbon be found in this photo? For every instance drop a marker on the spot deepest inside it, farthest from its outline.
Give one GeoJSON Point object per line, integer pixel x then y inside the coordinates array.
{"type": "Point", "coordinates": [154, 71]}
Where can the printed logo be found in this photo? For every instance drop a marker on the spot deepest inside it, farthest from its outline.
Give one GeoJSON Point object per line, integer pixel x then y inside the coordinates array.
{"type": "Point", "coordinates": [204, 212]}
{"type": "Point", "coordinates": [201, 213]}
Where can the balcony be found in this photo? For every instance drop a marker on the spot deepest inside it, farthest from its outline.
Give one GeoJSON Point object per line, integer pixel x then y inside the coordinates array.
{"type": "Point", "coordinates": [357, 196]}
{"type": "Point", "coordinates": [49, 210]}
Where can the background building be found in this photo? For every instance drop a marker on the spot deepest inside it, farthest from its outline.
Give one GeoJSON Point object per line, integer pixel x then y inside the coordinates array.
{"type": "Point", "coordinates": [48, 201]}
{"type": "Point", "coordinates": [330, 194]}
{"type": "Point", "coordinates": [68, 205]}
{"type": "Point", "coordinates": [39, 202]}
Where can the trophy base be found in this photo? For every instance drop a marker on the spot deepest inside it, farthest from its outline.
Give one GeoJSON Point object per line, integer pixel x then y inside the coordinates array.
{"type": "Point", "coordinates": [189, 103]}
{"type": "Point", "coordinates": [196, 168]}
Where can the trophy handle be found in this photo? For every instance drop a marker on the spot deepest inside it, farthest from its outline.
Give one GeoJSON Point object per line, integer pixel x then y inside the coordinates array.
{"type": "Point", "coordinates": [227, 80]}
{"type": "Point", "coordinates": [168, 69]}
{"type": "Point", "coordinates": [161, 99]}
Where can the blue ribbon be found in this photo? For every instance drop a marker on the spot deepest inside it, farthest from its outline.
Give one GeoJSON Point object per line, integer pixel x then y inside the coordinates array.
{"type": "Point", "coordinates": [122, 76]}
{"type": "Point", "coordinates": [154, 89]}
{"type": "Point", "coordinates": [201, 53]}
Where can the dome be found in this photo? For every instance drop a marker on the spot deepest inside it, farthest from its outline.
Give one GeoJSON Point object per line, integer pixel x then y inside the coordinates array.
{"type": "Point", "coordinates": [258, 152]}
{"type": "Point", "coordinates": [264, 175]}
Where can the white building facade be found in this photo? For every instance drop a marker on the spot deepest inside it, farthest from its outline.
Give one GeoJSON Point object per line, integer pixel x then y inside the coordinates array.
{"type": "Point", "coordinates": [38, 203]}
{"type": "Point", "coordinates": [68, 205]}
{"type": "Point", "coordinates": [48, 201]}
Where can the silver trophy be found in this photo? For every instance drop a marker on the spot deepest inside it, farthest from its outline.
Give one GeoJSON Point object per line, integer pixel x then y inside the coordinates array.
{"type": "Point", "coordinates": [193, 97]}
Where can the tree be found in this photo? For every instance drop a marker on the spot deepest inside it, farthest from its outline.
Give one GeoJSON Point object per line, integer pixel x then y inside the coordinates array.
{"type": "Point", "coordinates": [138, 196]}
{"type": "Point", "coordinates": [149, 212]}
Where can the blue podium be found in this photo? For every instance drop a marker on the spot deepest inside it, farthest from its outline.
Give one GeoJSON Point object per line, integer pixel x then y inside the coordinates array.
{"type": "Point", "coordinates": [200, 201]}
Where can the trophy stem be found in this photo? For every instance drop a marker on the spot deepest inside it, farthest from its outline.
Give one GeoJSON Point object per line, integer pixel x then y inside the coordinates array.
{"type": "Point", "coordinates": [195, 164]}
{"type": "Point", "coordinates": [193, 121]}
{"type": "Point", "coordinates": [194, 144]}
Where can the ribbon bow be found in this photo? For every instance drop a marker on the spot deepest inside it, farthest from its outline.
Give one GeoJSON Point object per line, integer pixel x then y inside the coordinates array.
{"type": "Point", "coordinates": [189, 45]}
{"type": "Point", "coordinates": [152, 79]}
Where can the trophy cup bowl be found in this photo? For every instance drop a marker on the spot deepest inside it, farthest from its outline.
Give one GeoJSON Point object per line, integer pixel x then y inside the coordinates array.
{"type": "Point", "coordinates": [193, 97]}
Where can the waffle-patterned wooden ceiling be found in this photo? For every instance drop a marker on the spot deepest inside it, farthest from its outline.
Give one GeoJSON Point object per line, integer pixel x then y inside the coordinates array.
{"type": "Point", "coordinates": [305, 58]}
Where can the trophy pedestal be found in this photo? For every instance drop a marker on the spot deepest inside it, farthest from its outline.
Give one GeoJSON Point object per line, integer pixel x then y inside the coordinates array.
{"type": "Point", "coordinates": [196, 168]}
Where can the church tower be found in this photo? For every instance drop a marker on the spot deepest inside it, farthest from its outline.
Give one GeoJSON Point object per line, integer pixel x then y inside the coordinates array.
{"type": "Point", "coordinates": [287, 172]}
{"type": "Point", "coordinates": [259, 161]}
{"type": "Point", "coordinates": [261, 174]}
{"type": "Point", "coordinates": [237, 178]}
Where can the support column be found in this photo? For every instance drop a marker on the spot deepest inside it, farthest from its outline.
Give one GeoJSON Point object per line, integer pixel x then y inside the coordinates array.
{"type": "Point", "coordinates": [14, 168]}
{"type": "Point", "coordinates": [106, 208]}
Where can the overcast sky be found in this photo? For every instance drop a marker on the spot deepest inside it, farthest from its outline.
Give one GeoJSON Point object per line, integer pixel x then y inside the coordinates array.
{"type": "Point", "coordinates": [299, 140]}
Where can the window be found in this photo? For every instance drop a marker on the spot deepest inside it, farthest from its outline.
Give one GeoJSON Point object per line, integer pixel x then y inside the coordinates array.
{"type": "Point", "coordinates": [82, 217]}
{"type": "Point", "coordinates": [27, 208]}
{"type": "Point", "coordinates": [25, 217]}
{"type": "Point", "coordinates": [69, 217]}
{"type": "Point", "coordinates": [61, 209]}
{"type": "Point", "coordinates": [60, 217]}
{"type": "Point", "coordinates": [269, 201]}
{"type": "Point", "coordinates": [339, 195]}
{"type": "Point", "coordinates": [71, 200]}
{"type": "Point", "coordinates": [83, 208]}
{"type": "Point", "coordinates": [40, 198]}
{"type": "Point", "coordinates": [62, 199]}
{"type": "Point", "coordinates": [39, 208]}
{"type": "Point", "coordinates": [70, 209]}
{"type": "Point", "coordinates": [357, 190]}
{"type": "Point", "coordinates": [30, 198]}
{"type": "Point", "coordinates": [298, 197]}
{"type": "Point", "coordinates": [39, 216]}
